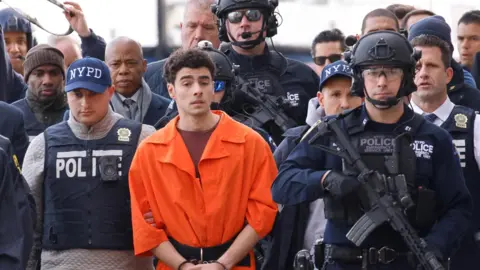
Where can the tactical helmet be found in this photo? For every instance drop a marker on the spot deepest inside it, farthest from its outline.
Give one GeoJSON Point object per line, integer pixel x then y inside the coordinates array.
{"type": "Point", "coordinates": [223, 7]}
{"type": "Point", "coordinates": [383, 48]}
{"type": "Point", "coordinates": [12, 21]}
{"type": "Point", "coordinates": [225, 70]}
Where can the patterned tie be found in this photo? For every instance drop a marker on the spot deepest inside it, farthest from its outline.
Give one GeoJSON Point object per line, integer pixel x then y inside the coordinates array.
{"type": "Point", "coordinates": [430, 117]}
{"type": "Point", "coordinates": [131, 108]}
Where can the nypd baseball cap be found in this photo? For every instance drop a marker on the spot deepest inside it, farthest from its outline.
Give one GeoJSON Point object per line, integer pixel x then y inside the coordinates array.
{"type": "Point", "coordinates": [88, 73]}
{"type": "Point", "coordinates": [335, 69]}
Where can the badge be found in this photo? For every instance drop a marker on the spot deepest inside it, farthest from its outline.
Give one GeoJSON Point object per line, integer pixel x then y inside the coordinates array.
{"type": "Point", "coordinates": [461, 120]}
{"type": "Point", "coordinates": [124, 134]}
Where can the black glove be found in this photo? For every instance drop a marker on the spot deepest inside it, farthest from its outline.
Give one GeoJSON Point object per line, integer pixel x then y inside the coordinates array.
{"type": "Point", "coordinates": [339, 184]}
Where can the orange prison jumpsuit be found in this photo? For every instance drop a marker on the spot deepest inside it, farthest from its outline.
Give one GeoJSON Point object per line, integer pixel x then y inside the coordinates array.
{"type": "Point", "coordinates": [237, 170]}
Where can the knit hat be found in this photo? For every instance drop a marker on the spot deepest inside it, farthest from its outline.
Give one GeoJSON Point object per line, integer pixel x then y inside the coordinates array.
{"type": "Point", "coordinates": [40, 55]}
{"type": "Point", "coordinates": [435, 26]}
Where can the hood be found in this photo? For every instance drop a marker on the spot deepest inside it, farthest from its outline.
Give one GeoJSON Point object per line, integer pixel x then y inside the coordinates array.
{"type": "Point", "coordinates": [314, 112]}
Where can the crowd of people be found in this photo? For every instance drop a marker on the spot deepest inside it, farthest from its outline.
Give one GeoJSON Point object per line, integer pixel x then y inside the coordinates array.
{"type": "Point", "coordinates": [229, 155]}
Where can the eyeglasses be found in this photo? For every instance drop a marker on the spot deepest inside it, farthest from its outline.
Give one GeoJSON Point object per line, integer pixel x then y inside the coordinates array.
{"type": "Point", "coordinates": [320, 60]}
{"type": "Point", "coordinates": [253, 15]}
{"type": "Point", "coordinates": [391, 74]}
{"type": "Point", "coordinates": [219, 86]}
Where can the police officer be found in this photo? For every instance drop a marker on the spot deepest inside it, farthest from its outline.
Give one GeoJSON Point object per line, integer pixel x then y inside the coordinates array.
{"type": "Point", "coordinates": [225, 85]}
{"type": "Point", "coordinates": [246, 24]}
{"type": "Point", "coordinates": [13, 127]}
{"type": "Point", "coordinates": [431, 100]}
{"type": "Point", "coordinates": [16, 211]}
{"type": "Point", "coordinates": [78, 172]}
{"type": "Point", "coordinates": [383, 64]}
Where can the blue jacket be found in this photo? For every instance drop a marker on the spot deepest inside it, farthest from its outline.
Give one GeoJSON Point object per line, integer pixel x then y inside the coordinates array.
{"type": "Point", "coordinates": [17, 210]}
{"type": "Point", "coordinates": [154, 78]}
{"type": "Point", "coordinates": [158, 107]}
{"type": "Point", "coordinates": [13, 86]}
{"type": "Point", "coordinates": [461, 93]}
{"type": "Point", "coordinates": [299, 180]}
{"type": "Point", "coordinates": [12, 127]}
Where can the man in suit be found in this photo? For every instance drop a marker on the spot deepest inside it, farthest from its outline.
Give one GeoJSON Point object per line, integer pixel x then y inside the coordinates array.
{"type": "Point", "coordinates": [133, 98]}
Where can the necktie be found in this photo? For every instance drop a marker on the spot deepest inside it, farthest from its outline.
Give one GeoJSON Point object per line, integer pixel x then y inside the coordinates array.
{"type": "Point", "coordinates": [131, 108]}
{"type": "Point", "coordinates": [430, 117]}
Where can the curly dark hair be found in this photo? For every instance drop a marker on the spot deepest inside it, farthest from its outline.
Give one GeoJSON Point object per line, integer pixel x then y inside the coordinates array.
{"type": "Point", "coordinates": [186, 58]}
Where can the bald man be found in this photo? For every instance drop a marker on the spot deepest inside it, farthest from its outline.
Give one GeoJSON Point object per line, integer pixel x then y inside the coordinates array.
{"type": "Point", "coordinates": [199, 23]}
{"type": "Point", "coordinates": [68, 46]}
{"type": "Point", "coordinates": [133, 98]}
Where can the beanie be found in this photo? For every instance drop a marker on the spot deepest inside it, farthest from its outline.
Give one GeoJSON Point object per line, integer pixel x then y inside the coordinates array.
{"type": "Point", "coordinates": [434, 26]}
{"type": "Point", "coordinates": [40, 55]}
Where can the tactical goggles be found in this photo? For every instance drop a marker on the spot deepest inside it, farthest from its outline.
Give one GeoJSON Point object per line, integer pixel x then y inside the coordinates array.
{"type": "Point", "coordinates": [253, 15]}
{"type": "Point", "coordinates": [219, 86]}
{"type": "Point", "coordinates": [320, 60]}
{"type": "Point", "coordinates": [390, 73]}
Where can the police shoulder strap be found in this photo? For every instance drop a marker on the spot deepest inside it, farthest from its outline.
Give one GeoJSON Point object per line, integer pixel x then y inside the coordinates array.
{"type": "Point", "coordinates": [312, 128]}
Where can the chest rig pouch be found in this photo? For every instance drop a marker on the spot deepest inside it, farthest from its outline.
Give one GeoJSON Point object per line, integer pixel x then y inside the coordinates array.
{"type": "Point", "coordinates": [393, 157]}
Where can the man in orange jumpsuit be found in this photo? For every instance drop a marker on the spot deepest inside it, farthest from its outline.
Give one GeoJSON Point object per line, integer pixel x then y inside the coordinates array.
{"type": "Point", "coordinates": [205, 177]}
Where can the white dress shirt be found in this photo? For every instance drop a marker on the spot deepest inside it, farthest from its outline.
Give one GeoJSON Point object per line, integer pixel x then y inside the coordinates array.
{"type": "Point", "coordinates": [442, 113]}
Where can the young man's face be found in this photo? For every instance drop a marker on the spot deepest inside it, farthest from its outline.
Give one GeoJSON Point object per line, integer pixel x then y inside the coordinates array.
{"type": "Point", "coordinates": [16, 43]}
{"type": "Point", "coordinates": [89, 107]}
{"type": "Point", "coordinates": [192, 91]}
{"type": "Point", "coordinates": [46, 82]}
{"type": "Point", "coordinates": [326, 53]}
{"type": "Point", "coordinates": [244, 20]}
{"type": "Point", "coordinates": [468, 42]}
{"type": "Point", "coordinates": [336, 97]}
{"type": "Point", "coordinates": [382, 82]}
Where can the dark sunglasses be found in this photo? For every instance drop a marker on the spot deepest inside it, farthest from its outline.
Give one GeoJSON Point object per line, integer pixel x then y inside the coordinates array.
{"type": "Point", "coordinates": [320, 60]}
{"type": "Point", "coordinates": [219, 86]}
{"type": "Point", "coordinates": [253, 15]}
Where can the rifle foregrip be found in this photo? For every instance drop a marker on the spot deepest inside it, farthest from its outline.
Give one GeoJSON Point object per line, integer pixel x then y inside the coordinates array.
{"type": "Point", "coordinates": [361, 229]}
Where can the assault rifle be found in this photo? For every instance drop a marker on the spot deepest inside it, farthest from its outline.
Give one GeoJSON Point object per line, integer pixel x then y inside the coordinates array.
{"type": "Point", "coordinates": [266, 108]}
{"type": "Point", "coordinates": [383, 206]}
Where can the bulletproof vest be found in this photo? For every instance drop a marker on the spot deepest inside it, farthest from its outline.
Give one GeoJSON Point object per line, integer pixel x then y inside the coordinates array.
{"type": "Point", "coordinates": [86, 192]}
{"type": "Point", "coordinates": [32, 126]}
{"type": "Point", "coordinates": [375, 149]}
{"type": "Point", "coordinates": [266, 79]}
{"type": "Point", "coordinates": [460, 125]}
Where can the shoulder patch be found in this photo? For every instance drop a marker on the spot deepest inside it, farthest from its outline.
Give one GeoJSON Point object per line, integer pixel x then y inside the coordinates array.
{"type": "Point", "coordinates": [17, 164]}
{"type": "Point", "coordinates": [312, 128]}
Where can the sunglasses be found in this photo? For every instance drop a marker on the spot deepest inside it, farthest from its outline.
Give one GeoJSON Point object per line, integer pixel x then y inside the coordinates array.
{"type": "Point", "coordinates": [320, 60]}
{"type": "Point", "coordinates": [219, 86]}
{"type": "Point", "coordinates": [253, 15]}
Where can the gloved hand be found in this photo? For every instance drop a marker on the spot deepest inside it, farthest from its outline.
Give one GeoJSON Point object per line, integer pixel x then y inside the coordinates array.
{"type": "Point", "coordinates": [339, 184]}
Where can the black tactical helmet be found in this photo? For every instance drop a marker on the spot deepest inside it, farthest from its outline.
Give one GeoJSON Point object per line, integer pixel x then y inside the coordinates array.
{"type": "Point", "coordinates": [12, 21]}
{"type": "Point", "coordinates": [383, 48]}
{"type": "Point", "coordinates": [224, 69]}
{"type": "Point", "coordinates": [223, 7]}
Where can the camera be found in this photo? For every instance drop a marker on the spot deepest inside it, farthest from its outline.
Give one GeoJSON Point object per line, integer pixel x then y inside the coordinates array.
{"type": "Point", "coordinates": [109, 168]}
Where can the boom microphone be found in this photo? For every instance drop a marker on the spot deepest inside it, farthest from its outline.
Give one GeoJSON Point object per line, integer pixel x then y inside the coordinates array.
{"type": "Point", "coordinates": [246, 35]}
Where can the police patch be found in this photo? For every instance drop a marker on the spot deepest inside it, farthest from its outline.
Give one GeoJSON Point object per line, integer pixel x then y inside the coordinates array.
{"type": "Point", "coordinates": [461, 120]}
{"type": "Point", "coordinates": [124, 134]}
{"type": "Point", "coordinates": [376, 144]}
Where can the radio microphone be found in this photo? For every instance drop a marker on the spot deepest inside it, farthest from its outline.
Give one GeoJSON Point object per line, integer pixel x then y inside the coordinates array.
{"type": "Point", "coordinates": [246, 35]}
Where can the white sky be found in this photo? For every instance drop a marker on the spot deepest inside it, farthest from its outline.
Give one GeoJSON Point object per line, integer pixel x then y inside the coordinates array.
{"type": "Point", "coordinates": [302, 19]}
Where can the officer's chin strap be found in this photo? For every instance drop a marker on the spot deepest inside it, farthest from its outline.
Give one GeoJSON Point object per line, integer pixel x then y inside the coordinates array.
{"type": "Point", "coordinates": [383, 104]}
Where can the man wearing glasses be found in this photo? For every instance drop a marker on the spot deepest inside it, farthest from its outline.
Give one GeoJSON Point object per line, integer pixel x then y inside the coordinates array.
{"type": "Point", "coordinates": [327, 48]}
{"type": "Point", "coordinates": [383, 66]}
{"type": "Point", "coordinates": [246, 25]}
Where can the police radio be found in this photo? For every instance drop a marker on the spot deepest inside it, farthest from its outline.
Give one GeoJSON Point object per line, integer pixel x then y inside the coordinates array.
{"type": "Point", "coordinates": [108, 168]}
{"type": "Point", "coordinates": [303, 261]}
